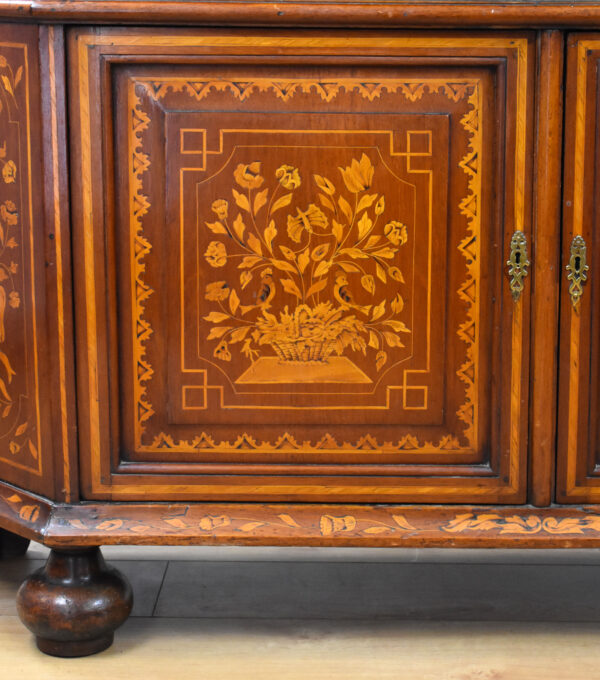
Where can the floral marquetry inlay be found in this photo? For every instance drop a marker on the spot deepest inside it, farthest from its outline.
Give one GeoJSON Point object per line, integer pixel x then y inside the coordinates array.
{"type": "Point", "coordinates": [518, 524]}
{"type": "Point", "coordinates": [275, 247]}
{"type": "Point", "coordinates": [306, 272]}
{"type": "Point", "coordinates": [18, 429]}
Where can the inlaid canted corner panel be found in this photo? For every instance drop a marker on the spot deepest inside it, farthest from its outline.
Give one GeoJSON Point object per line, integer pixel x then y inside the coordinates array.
{"type": "Point", "coordinates": [25, 443]}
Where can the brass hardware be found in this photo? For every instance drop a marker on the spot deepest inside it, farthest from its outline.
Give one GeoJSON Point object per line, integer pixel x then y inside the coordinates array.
{"type": "Point", "coordinates": [577, 268]}
{"type": "Point", "coordinates": [517, 263]}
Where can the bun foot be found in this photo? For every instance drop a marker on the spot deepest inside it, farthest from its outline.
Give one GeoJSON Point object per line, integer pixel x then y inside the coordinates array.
{"type": "Point", "coordinates": [12, 545]}
{"type": "Point", "coordinates": [72, 649]}
{"type": "Point", "coordinates": [74, 603]}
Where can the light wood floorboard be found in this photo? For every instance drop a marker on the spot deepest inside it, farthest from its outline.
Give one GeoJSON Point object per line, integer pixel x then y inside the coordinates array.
{"type": "Point", "coordinates": [205, 649]}
{"type": "Point", "coordinates": [174, 637]}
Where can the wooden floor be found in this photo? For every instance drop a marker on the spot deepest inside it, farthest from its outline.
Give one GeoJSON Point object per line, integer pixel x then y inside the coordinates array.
{"type": "Point", "coordinates": [281, 614]}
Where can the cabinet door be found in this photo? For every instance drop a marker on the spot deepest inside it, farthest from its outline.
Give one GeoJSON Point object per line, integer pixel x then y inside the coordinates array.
{"type": "Point", "coordinates": [578, 429]}
{"type": "Point", "coordinates": [291, 254]}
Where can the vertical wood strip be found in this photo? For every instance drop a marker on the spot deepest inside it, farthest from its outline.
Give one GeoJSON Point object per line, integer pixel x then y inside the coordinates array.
{"type": "Point", "coordinates": [89, 259]}
{"type": "Point", "coordinates": [576, 228]}
{"type": "Point", "coordinates": [58, 271]}
{"type": "Point", "coordinates": [59, 265]}
{"type": "Point", "coordinates": [516, 381]}
{"type": "Point", "coordinates": [546, 269]}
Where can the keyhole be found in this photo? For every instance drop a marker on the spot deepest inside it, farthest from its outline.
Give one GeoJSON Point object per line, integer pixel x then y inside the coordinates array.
{"type": "Point", "coordinates": [577, 262]}
{"type": "Point", "coordinates": [518, 257]}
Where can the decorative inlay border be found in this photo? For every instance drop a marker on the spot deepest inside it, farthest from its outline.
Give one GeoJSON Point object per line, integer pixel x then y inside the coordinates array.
{"type": "Point", "coordinates": [295, 524]}
{"type": "Point", "coordinates": [286, 442]}
{"type": "Point", "coordinates": [413, 90]}
{"type": "Point", "coordinates": [333, 524]}
{"type": "Point", "coordinates": [139, 162]}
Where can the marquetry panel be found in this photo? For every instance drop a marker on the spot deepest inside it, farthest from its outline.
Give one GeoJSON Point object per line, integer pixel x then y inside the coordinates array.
{"type": "Point", "coordinates": [292, 263]}
{"type": "Point", "coordinates": [25, 439]}
{"type": "Point", "coordinates": [578, 429]}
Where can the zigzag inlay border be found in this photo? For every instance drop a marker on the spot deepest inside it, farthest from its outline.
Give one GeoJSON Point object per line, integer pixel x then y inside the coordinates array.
{"type": "Point", "coordinates": [412, 90]}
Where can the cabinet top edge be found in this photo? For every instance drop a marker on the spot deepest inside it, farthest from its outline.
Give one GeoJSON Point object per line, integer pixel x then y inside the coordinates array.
{"type": "Point", "coordinates": [378, 13]}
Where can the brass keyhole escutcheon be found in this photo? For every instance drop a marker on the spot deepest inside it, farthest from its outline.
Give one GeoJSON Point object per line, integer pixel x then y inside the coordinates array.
{"type": "Point", "coordinates": [577, 270]}
{"type": "Point", "coordinates": [518, 264]}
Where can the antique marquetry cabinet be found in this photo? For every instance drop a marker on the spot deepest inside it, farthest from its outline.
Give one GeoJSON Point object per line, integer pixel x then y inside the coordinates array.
{"type": "Point", "coordinates": [293, 274]}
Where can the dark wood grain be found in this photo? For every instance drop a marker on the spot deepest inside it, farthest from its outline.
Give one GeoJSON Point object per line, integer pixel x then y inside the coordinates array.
{"type": "Point", "coordinates": [74, 603]}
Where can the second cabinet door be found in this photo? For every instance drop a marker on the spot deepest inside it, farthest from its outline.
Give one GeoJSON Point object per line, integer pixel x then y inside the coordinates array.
{"type": "Point", "coordinates": [292, 256]}
{"type": "Point", "coordinates": [579, 385]}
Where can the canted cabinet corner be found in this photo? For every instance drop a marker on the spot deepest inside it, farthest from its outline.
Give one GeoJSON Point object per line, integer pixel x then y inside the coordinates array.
{"type": "Point", "coordinates": [36, 345]}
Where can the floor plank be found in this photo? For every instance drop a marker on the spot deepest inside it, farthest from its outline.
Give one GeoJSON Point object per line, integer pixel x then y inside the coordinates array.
{"type": "Point", "coordinates": [156, 649]}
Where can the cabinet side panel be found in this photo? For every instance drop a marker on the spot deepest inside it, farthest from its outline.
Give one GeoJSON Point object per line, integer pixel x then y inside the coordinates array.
{"type": "Point", "coordinates": [26, 361]}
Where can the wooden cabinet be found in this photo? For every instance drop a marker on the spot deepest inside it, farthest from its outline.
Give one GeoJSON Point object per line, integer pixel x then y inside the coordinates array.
{"type": "Point", "coordinates": [299, 256]}
{"type": "Point", "coordinates": [328, 286]}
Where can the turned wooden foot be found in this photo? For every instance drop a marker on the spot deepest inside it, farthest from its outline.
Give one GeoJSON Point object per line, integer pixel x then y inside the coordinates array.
{"type": "Point", "coordinates": [12, 545]}
{"type": "Point", "coordinates": [74, 603]}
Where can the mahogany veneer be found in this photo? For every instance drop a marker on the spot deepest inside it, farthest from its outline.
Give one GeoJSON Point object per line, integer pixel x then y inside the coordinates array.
{"type": "Point", "coordinates": [299, 283]}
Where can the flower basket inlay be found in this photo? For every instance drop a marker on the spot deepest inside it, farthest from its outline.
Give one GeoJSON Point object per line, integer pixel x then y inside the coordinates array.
{"type": "Point", "coordinates": [318, 255]}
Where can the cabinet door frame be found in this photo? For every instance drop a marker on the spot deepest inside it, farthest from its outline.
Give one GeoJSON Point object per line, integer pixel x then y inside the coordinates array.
{"type": "Point", "coordinates": [104, 475]}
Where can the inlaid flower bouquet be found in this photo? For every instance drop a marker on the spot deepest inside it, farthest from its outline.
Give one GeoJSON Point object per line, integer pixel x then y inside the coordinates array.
{"type": "Point", "coordinates": [319, 255]}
